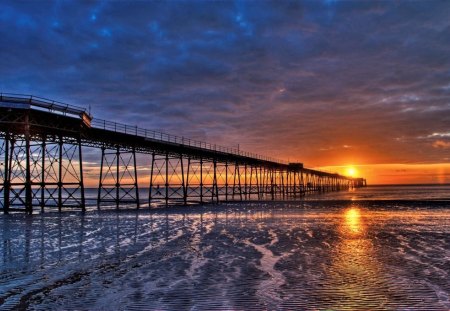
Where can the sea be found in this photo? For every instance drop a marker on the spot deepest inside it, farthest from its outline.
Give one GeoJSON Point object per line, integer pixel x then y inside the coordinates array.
{"type": "Point", "coordinates": [373, 248]}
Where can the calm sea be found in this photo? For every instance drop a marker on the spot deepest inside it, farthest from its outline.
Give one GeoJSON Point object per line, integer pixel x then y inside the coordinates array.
{"type": "Point", "coordinates": [397, 192]}
{"type": "Point", "coordinates": [376, 248]}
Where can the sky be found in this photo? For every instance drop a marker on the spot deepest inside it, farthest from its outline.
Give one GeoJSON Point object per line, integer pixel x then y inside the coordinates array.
{"type": "Point", "coordinates": [331, 84]}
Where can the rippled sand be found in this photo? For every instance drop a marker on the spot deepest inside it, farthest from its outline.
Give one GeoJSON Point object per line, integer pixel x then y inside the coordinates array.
{"type": "Point", "coordinates": [290, 256]}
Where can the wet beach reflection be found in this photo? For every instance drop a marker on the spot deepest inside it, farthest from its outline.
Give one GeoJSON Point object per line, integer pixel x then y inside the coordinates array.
{"type": "Point", "coordinates": [228, 257]}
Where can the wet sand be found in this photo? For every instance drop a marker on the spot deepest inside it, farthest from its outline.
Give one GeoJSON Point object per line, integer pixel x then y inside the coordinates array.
{"type": "Point", "coordinates": [249, 256]}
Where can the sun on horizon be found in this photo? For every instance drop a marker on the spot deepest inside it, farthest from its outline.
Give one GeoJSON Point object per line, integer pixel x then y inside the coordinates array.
{"type": "Point", "coordinates": [351, 171]}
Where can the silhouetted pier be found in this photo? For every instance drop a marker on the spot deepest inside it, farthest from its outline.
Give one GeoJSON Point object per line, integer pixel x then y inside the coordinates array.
{"type": "Point", "coordinates": [41, 163]}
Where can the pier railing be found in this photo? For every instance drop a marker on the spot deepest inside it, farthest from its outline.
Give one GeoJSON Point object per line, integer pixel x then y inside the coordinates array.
{"type": "Point", "coordinates": [40, 103]}
{"type": "Point", "coordinates": [180, 140]}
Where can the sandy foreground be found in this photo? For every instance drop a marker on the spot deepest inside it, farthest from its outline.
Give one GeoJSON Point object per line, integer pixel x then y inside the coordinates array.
{"type": "Point", "coordinates": [252, 256]}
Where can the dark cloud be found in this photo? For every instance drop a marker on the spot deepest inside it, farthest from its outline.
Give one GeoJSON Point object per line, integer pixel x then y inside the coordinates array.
{"type": "Point", "coordinates": [325, 82]}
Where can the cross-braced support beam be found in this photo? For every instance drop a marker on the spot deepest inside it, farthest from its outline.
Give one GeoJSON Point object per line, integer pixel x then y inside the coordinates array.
{"type": "Point", "coordinates": [168, 179]}
{"type": "Point", "coordinates": [41, 171]}
{"type": "Point", "coordinates": [118, 181]}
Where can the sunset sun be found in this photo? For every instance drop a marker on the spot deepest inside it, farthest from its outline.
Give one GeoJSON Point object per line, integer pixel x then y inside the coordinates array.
{"type": "Point", "coordinates": [351, 171]}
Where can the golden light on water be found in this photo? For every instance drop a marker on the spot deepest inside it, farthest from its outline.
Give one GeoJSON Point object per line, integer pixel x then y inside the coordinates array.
{"type": "Point", "coordinates": [355, 262]}
{"type": "Point", "coordinates": [353, 224]}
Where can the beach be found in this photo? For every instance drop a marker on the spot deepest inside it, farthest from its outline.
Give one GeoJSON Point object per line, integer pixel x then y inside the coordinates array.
{"type": "Point", "coordinates": [329, 255]}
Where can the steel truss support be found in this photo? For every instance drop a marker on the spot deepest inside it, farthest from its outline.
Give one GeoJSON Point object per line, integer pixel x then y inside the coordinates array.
{"type": "Point", "coordinates": [237, 182]}
{"type": "Point", "coordinates": [4, 174]}
{"type": "Point", "coordinates": [46, 171]}
{"type": "Point", "coordinates": [292, 188]}
{"type": "Point", "coordinates": [175, 180]}
{"type": "Point", "coordinates": [167, 179]}
{"type": "Point", "coordinates": [222, 182]}
{"type": "Point", "coordinates": [202, 180]}
{"type": "Point", "coordinates": [266, 186]}
{"type": "Point", "coordinates": [118, 180]}
{"type": "Point", "coordinates": [252, 181]}
{"type": "Point", "coordinates": [41, 171]}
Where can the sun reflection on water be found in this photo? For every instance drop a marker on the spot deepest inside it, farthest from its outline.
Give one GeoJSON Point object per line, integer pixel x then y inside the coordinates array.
{"type": "Point", "coordinates": [354, 263]}
{"type": "Point", "coordinates": [353, 225]}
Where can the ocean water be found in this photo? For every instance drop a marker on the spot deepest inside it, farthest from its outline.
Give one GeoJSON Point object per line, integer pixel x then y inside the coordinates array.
{"type": "Point", "coordinates": [370, 193]}
{"type": "Point", "coordinates": [361, 250]}
{"type": "Point", "coordinates": [395, 193]}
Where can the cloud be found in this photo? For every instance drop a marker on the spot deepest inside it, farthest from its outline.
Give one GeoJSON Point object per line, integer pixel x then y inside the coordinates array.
{"type": "Point", "coordinates": [353, 73]}
{"type": "Point", "coordinates": [440, 144]}
{"type": "Point", "coordinates": [439, 135]}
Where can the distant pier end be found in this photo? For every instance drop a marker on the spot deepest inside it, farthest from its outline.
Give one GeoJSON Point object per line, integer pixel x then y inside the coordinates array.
{"type": "Point", "coordinates": [359, 182]}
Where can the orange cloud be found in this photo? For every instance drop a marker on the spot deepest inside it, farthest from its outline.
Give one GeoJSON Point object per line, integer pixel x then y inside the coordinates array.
{"type": "Point", "coordinates": [441, 144]}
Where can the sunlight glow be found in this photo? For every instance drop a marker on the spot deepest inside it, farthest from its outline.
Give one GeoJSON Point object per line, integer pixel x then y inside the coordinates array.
{"type": "Point", "coordinates": [351, 171]}
{"type": "Point", "coordinates": [352, 221]}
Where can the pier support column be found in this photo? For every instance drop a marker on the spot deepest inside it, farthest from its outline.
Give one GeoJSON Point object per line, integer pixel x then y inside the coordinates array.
{"type": "Point", "coordinates": [60, 177]}
{"type": "Point", "coordinates": [4, 172]}
{"type": "Point", "coordinates": [44, 155]}
{"type": "Point", "coordinates": [272, 185]}
{"type": "Point", "coordinates": [215, 187]}
{"type": "Point", "coordinates": [226, 181]}
{"type": "Point", "coordinates": [28, 193]}
{"type": "Point", "coordinates": [237, 176]}
{"type": "Point", "coordinates": [201, 180]}
{"type": "Point", "coordinates": [166, 185]}
{"type": "Point", "coordinates": [7, 177]}
{"type": "Point", "coordinates": [100, 182]}
{"type": "Point", "coordinates": [81, 179]}
{"type": "Point", "coordinates": [183, 181]}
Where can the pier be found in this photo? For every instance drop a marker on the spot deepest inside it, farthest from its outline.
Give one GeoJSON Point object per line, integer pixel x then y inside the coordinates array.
{"type": "Point", "coordinates": [41, 164]}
